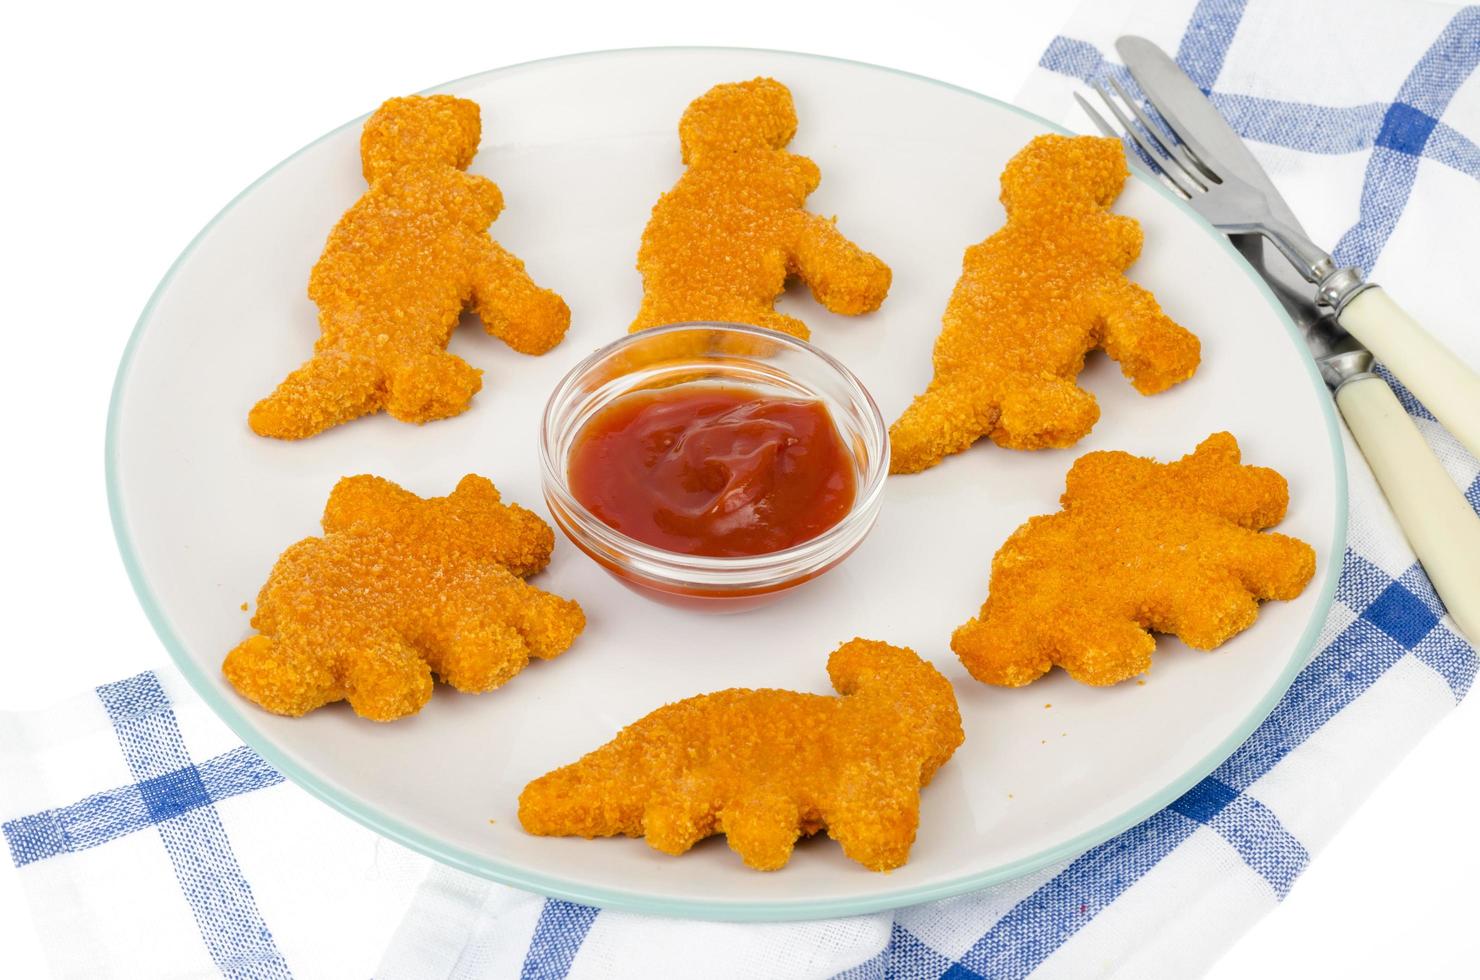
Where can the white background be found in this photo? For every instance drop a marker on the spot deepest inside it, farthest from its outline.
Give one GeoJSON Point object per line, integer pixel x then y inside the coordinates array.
{"type": "Point", "coordinates": [126, 127]}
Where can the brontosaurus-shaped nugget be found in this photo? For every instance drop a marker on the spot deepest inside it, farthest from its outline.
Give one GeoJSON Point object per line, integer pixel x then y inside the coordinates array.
{"type": "Point", "coordinates": [395, 276]}
{"type": "Point", "coordinates": [764, 767]}
{"type": "Point", "coordinates": [1138, 545]}
{"type": "Point", "coordinates": [397, 589]}
{"type": "Point", "coordinates": [721, 244]}
{"type": "Point", "coordinates": [1032, 300]}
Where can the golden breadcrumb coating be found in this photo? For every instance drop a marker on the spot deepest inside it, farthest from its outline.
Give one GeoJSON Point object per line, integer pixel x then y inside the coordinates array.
{"type": "Point", "coordinates": [764, 767]}
{"type": "Point", "coordinates": [473, 520]}
{"type": "Point", "coordinates": [1138, 545]}
{"type": "Point", "coordinates": [399, 588]}
{"type": "Point", "coordinates": [721, 244]}
{"type": "Point", "coordinates": [396, 273]}
{"type": "Point", "coordinates": [1032, 300]}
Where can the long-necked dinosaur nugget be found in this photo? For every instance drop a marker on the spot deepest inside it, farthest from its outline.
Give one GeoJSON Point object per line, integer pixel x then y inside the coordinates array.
{"type": "Point", "coordinates": [721, 244]}
{"type": "Point", "coordinates": [764, 767]}
{"type": "Point", "coordinates": [1032, 300]}
{"type": "Point", "coordinates": [400, 588]}
{"type": "Point", "coordinates": [396, 273]}
{"type": "Point", "coordinates": [1137, 546]}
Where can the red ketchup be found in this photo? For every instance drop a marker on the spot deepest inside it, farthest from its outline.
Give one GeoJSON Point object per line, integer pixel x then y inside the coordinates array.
{"type": "Point", "coordinates": [711, 470]}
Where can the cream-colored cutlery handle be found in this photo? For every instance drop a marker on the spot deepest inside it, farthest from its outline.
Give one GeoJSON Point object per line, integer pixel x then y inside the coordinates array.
{"type": "Point", "coordinates": [1446, 385]}
{"type": "Point", "coordinates": [1441, 527]}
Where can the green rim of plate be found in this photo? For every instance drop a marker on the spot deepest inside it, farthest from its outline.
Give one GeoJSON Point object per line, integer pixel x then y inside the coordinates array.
{"type": "Point", "coordinates": [742, 911]}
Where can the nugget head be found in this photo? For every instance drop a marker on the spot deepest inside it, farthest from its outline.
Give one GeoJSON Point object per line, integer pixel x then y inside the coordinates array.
{"type": "Point", "coordinates": [420, 131]}
{"type": "Point", "coordinates": [738, 116]}
{"type": "Point", "coordinates": [1054, 170]}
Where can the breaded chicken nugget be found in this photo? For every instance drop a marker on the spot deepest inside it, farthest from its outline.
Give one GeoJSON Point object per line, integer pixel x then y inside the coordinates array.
{"type": "Point", "coordinates": [395, 276]}
{"type": "Point", "coordinates": [721, 244]}
{"type": "Point", "coordinates": [764, 767]}
{"type": "Point", "coordinates": [399, 588]}
{"type": "Point", "coordinates": [1138, 546]}
{"type": "Point", "coordinates": [1032, 300]}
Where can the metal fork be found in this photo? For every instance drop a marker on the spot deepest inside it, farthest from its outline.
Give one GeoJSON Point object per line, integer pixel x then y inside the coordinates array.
{"type": "Point", "coordinates": [1221, 197]}
{"type": "Point", "coordinates": [1238, 197]}
{"type": "Point", "coordinates": [1437, 520]}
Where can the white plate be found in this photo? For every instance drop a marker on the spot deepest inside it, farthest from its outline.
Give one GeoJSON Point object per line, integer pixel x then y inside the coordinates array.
{"type": "Point", "coordinates": [582, 147]}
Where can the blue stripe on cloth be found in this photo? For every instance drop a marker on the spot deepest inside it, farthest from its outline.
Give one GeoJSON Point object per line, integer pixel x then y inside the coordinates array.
{"type": "Point", "coordinates": [1393, 166]}
{"type": "Point", "coordinates": [1204, 801]}
{"type": "Point", "coordinates": [1253, 830]}
{"type": "Point", "coordinates": [1449, 656]}
{"type": "Point", "coordinates": [175, 796]}
{"type": "Point", "coordinates": [1358, 655]}
{"type": "Point", "coordinates": [1385, 188]}
{"type": "Point", "coordinates": [1205, 42]}
{"type": "Point", "coordinates": [1361, 581]}
{"type": "Point", "coordinates": [876, 966]}
{"type": "Point", "coordinates": [1300, 125]}
{"type": "Point", "coordinates": [904, 958]}
{"type": "Point", "coordinates": [1077, 59]}
{"type": "Point", "coordinates": [1402, 615]}
{"type": "Point", "coordinates": [1454, 149]}
{"type": "Point", "coordinates": [1038, 925]}
{"type": "Point", "coordinates": [558, 936]}
{"type": "Point", "coordinates": [103, 816]}
{"type": "Point", "coordinates": [1250, 827]}
{"type": "Point", "coordinates": [1405, 129]}
{"type": "Point", "coordinates": [1445, 65]}
{"type": "Point", "coordinates": [1416, 581]}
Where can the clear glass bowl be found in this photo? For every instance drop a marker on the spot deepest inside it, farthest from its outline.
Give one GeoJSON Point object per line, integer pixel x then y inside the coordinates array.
{"type": "Point", "coordinates": [736, 356]}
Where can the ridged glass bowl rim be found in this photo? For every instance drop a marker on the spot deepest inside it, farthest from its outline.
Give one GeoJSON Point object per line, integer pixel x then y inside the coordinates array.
{"type": "Point", "coordinates": [703, 571]}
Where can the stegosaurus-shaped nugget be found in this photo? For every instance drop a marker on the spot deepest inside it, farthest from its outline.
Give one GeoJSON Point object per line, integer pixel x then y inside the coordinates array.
{"type": "Point", "coordinates": [764, 767]}
{"type": "Point", "coordinates": [721, 244]}
{"type": "Point", "coordinates": [1139, 545]}
{"type": "Point", "coordinates": [1032, 300]}
{"type": "Point", "coordinates": [399, 588]}
{"type": "Point", "coordinates": [396, 273]}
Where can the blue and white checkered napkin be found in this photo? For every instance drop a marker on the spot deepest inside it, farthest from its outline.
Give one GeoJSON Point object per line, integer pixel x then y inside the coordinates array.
{"type": "Point", "coordinates": [154, 845]}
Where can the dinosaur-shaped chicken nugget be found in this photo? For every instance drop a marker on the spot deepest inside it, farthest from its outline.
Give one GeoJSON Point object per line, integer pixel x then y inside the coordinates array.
{"type": "Point", "coordinates": [764, 767]}
{"type": "Point", "coordinates": [1032, 300]}
{"type": "Point", "coordinates": [395, 276]}
{"type": "Point", "coordinates": [721, 244]}
{"type": "Point", "coordinates": [1138, 546]}
{"type": "Point", "coordinates": [397, 589]}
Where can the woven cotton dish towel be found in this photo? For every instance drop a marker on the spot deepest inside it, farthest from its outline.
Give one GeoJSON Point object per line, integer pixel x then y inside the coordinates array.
{"type": "Point", "coordinates": [152, 844]}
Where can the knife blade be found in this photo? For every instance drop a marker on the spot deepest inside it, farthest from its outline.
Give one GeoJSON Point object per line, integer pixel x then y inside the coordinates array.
{"type": "Point", "coordinates": [1202, 127]}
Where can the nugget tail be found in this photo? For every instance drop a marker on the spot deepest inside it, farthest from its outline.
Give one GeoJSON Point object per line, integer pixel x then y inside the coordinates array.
{"type": "Point", "coordinates": [566, 802]}
{"type": "Point", "coordinates": [328, 389]}
{"type": "Point", "coordinates": [945, 419]}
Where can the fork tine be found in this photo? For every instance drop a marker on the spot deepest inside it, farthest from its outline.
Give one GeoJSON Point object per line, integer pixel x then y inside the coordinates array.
{"type": "Point", "coordinates": [1188, 152]}
{"type": "Point", "coordinates": [1152, 153]}
{"type": "Point", "coordinates": [1110, 131]}
{"type": "Point", "coordinates": [1168, 143]}
{"type": "Point", "coordinates": [1096, 118]}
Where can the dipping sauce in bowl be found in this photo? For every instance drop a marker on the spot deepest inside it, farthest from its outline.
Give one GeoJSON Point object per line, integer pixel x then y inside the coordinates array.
{"type": "Point", "coordinates": [713, 470]}
{"type": "Point", "coordinates": [713, 465]}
